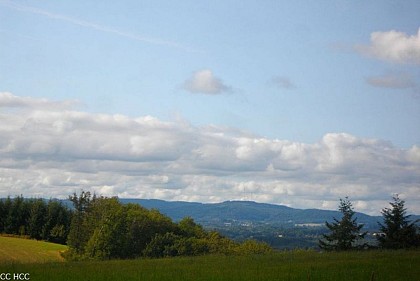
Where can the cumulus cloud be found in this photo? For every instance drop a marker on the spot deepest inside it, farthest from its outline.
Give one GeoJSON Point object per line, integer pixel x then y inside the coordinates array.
{"type": "Point", "coordinates": [50, 153]}
{"type": "Point", "coordinates": [282, 82]}
{"type": "Point", "coordinates": [393, 46]}
{"type": "Point", "coordinates": [204, 82]}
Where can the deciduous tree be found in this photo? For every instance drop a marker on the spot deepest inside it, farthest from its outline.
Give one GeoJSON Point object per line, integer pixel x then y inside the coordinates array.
{"type": "Point", "coordinates": [80, 231]}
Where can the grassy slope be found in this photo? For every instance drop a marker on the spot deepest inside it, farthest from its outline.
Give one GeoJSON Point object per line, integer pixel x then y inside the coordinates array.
{"type": "Point", "coordinates": [19, 250]}
{"type": "Point", "coordinates": [293, 265]}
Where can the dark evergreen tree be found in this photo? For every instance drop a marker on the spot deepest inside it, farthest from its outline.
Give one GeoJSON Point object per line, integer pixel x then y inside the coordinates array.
{"type": "Point", "coordinates": [3, 214]}
{"type": "Point", "coordinates": [344, 233]}
{"type": "Point", "coordinates": [36, 220]}
{"type": "Point", "coordinates": [398, 231]}
{"type": "Point", "coordinates": [57, 222]}
{"type": "Point", "coordinates": [17, 216]}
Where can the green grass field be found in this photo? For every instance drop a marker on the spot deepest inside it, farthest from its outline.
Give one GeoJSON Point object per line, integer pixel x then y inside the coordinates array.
{"type": "Point", "coordinates": [17, 250]}
{"type": "Point", "coordinates": [291, 265]}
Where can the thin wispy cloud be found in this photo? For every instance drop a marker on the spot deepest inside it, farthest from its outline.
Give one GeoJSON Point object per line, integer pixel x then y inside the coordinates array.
{"type": "Point", "coordinates": [392, 81]}
{"type": "Point", "coordinates": [95, 26]}
{"type": "Point", "coordinates": [9, 100]}
{"type": "Point", "coordinates": [282, 82]}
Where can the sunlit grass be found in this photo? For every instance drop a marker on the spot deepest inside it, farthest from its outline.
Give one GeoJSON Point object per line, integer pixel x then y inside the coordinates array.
{"type": "Point", "coordinates": [292, 265]}
{"type": "Point", "coordinates": [17, 250]}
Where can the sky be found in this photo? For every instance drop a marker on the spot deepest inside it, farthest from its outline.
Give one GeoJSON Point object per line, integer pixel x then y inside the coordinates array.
{"type": "Point", "coordinates": [297, 103]}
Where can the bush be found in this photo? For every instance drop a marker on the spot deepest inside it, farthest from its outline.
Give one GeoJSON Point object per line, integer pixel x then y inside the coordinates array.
{"type": "Point", "coordinates": [252, 247]}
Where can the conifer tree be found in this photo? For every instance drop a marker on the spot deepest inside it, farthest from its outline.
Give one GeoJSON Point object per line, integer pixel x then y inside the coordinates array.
{"type": "Point", "coordinates": [398, 231]}
{"type": "Point", "coordinates": [3, 213]}
{"type": "Point", "coordinates": [36, 219]}
{"type": "Point", "coordinates": [344, 233]}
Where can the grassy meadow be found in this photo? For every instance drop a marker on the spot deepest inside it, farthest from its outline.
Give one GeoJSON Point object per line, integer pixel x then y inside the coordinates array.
{"type": "Point", "coordinates": [287, 265]}
{"type": "Point", "coordinates": [17, 250]}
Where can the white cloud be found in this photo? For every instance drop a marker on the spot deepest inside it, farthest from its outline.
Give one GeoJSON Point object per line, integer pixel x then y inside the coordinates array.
{"type": "Point", "coordinates": [413, 154]}
{"type": "Point", "coordinates": [205, 82]}
{"type": "Point", "coordinates": [9, 100]}
{"type": "Point", "coordinates": [50, 153]}
{"type": "Point", "coordinates": [393, 46]}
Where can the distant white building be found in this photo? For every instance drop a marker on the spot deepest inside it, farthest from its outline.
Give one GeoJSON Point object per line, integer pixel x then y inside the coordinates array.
{"type": "Point", "coordinates": [309, 224]}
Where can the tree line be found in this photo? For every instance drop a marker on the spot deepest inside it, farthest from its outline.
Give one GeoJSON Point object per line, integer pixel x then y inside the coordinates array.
{"type": "Point", "coordinates": [36, 218]}
{"type": "Point", "coordinates": [396, 231]}
{"type": "Point", "coordinates": [103, 228]}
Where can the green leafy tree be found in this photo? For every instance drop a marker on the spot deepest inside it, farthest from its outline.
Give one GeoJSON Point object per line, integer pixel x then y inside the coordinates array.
{"type": "Point", "coordinates": [344, 233]}
{"type": "Point", "coordinates": [189, 228]}
{"type": "Point", "coordinates": [398, 231]}
{"type": "Point", "coordinates": [109, 238]}
{"type": "Point", "coordinates": [104, 228]}
{"type": "Point", "coordinates": [162, 245]}
{"type": "Point", "coordinates": [218, 244]}
{"type": "Point", "coordinates": [192, 246]}
{"type": "Point", "coordinates": [142, 226]}
{"type": "Point", "coordinates": [80, 230]}
{"type": "Point", "coordinates": [139, 229]}
{"type": "Point", "coordinates": [253, 247]}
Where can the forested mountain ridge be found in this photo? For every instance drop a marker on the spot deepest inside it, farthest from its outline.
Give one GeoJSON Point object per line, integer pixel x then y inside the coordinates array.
{"type": "Point", "coordinates": [248, 211]}
{"type": "Point", "coordinates": [244, 211]}
{"type": "Point", "coordinates": [281, 226]}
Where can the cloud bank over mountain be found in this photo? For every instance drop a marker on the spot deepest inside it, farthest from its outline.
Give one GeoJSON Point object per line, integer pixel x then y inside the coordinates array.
{"type": "Point", "coordinates": [49, 149]}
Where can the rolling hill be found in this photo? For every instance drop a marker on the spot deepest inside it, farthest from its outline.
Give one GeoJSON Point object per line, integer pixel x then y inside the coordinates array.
{"type": "Point", "coordinates": [247, 212]}
{"type": "Point", "coordinates": [19, 250]}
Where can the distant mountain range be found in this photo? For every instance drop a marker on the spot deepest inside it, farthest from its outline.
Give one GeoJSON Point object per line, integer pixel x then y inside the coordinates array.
{"type": "Point", "coordinates": [218, 214]}
{"type": "Point", "coordinates": [248, 212]}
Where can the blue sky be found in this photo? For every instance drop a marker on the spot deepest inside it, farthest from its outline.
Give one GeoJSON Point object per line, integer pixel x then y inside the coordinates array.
{"type": "Point", "coordinates": [292, 71]}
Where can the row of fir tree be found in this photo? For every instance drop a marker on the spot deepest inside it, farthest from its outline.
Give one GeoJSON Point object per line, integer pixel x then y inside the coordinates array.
{"type": "Point", "coordinates": [396, 230]}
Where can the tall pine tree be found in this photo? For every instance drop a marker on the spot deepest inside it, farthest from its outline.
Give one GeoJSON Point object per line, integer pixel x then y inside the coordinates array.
{"type": "Point", "coordinates": [398, 231]}
{"type": "Point", "coordinates": [344, 233]}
